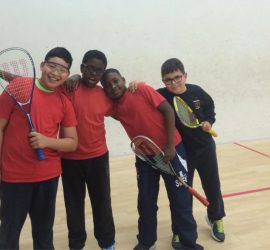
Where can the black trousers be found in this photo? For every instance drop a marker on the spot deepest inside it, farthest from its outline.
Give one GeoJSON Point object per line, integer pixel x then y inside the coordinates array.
{"type": "Point", "coordinates": [180, 201]}
{"type": "Point", "coordinates": [204, 160]}
{"type": "Point", "coordinates": [93, 173]}
{"type": "Point", "coordinates": [36, 199]}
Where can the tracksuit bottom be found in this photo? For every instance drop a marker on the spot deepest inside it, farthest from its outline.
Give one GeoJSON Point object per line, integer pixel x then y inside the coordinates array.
{"type": "Point", "coordinates": [93, 173]}
{"type": "Point", "coordinates": [20, 199]}
{"type": "Point", "coordinates": [204, 160]}
{"type": "Point", "coordinates": [180, 200]}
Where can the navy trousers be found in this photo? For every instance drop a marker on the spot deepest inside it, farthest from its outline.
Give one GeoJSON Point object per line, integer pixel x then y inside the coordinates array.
{"type": "Point", "coordinates": [205, 161]}
{"type": "Point", "coordinates": [20, 199]}
{"type": "Point", "coordinates": [180, 199]}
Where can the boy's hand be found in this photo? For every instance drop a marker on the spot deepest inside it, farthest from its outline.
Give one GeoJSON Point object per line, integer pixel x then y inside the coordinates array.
{"type": "Point", "coordinates": [169, 153]}
{"type": "Point", "coordinates": [206, 126]}
{"type": "Point", "coordinates": [132, 86]}
{"type": "Point", "coordinates": [72, 83]}
{"type": "Point", "coordinates": [37, 140]}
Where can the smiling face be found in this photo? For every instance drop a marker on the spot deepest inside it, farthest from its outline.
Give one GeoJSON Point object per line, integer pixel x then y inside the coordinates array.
{"type": "Point", "coordinates": [54, 72]}
{"type": "Point", "coordinates": [92, 71]}
{"type": "Point", "coordinates": [175, 81]}
{"type": "Point", "coordinates": [114, 85]}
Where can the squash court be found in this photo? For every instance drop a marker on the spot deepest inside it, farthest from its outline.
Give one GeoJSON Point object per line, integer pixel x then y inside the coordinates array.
{"type": "Point", "coordinates": [245, 178]}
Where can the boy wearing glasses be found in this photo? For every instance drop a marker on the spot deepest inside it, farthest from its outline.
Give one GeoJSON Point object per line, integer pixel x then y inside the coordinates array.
{"type": "Point", "coordinates": [88, 166]}
{"type": "Point", "coordinates": [200, 146]}
{"type": "Point", "coordinates": [29, 185]}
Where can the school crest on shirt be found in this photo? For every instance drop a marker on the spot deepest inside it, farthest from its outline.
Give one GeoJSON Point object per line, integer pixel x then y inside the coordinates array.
{"type": "Point", "coordinates": [197, 104]}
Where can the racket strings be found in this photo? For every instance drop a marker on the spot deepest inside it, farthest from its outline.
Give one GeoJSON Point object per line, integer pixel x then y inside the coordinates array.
{"type": "Point", "coordinates": [185, 115]}
{"type": "Point", "coordinates": [25, 68]}
{"type": "Point", "coordinates": [21, 86]}
{"type": "Point", "coordinates": [142, 145]}
{"type": "Point", "coordinates": [20, 89]}
{"type": "Point", "coordinates": [152, 154]}
{"type": "Point", "coordinates": [15, 67]}
{"type": "Point", "coordinates": [18, 67]}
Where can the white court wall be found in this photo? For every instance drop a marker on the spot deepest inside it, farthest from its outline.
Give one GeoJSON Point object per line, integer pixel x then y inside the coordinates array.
{"type": "Point", "coordinates": [223, 44]}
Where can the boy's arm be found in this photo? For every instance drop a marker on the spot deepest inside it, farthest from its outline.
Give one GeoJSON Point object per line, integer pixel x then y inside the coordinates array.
{"type": "Point", "coordinates": [67, 141]}
{"type": "Point", "coordinates": [209, 111]}
{"type": "Point", "coordinates": [7, 76]}
{"type": "Point", "coordinates": [3, 124]}
{"type": "Point", "coordinates": [206, 112]}
{"type": "Point", "coordinates": [169, 119]}
{"type": "Point", "coordinates": [72, 83]}
{"type": "Point", "coordinates": [132, 86]}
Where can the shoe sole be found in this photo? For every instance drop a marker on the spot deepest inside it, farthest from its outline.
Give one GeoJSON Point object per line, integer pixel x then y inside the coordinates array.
{"type": "Point", "coordinates": [153, 247]}
{"type": "Point", "coordinates": [212, 234]}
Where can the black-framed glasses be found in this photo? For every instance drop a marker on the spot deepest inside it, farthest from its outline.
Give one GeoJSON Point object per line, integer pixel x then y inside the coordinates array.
{"type": "Point", "coordinates": [58, 67]}
{"type": "Point", "coordinates": [91, 69]}
{"type": "Point", "coordinates": [170, 81]}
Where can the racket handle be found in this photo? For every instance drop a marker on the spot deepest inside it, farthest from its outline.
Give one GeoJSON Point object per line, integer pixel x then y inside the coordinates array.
{"type": "Point", "coordinates": [198, 196]}
{"type": "Point", "coordinates": [40, 154]}
{"type": "Point", "coordinates": [39, 151]}
{"type": "Point", "coordinates": [213, 133]}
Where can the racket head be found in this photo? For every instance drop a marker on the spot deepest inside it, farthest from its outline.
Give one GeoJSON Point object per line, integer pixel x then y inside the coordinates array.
{"type": "Point", "coordinates": [185, 113]}
{"type": "Point", "coordinates": [17, 78]}
{"type": "Point", "coordinates": [17, 74]}
{"type": "Point", "coordinates": [150, 152]}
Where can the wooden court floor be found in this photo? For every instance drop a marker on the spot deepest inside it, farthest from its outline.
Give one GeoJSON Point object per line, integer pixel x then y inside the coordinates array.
{"type": "Point", "coordinates": [245, 178]}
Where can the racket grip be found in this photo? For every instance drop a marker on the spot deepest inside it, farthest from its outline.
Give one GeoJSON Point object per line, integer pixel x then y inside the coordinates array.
{"type": "Point", "coordinates": [39, 151]}
{"type": "Point", "coordinates": [198, 196]}
{"type": "Point", "coordinates": [213, 133]}
{"type": "Point", "coordinates": [40, 154]}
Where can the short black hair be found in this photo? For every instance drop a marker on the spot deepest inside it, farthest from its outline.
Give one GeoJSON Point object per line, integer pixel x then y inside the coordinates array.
{"type": "Point", "coordinates": [108, 71]}
{"type": "Point", "coordinates": [95, 54]}
{"type": "Point", "coordinates": [171, 65]}
{"type": "Point", "coordinates": [60, 52]}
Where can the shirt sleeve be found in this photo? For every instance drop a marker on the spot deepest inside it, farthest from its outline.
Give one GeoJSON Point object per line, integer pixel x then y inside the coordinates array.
{"type": "Point", "coordinates": [69, 119]}
{"type": "Point", "coordinates": [7, 105]}
{"type": "Point", "coordinates": [208, 106]}
{"type": "Point", "coordinates": [151, 94]}
{"type": "Point", "coordinates": [110, 106]}
{"type": "Point", "coordinates": [62, 89]}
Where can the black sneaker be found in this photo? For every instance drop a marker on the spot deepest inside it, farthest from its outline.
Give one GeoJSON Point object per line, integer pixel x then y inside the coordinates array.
{"type": "Point", "coordinates": [217, 229]}
{"type": "Point", "coordinates": [140, 246]}
{"type": "Point", "coordinates": [112, 247]}
{"type": "Point", "coordinates": [177, 245]}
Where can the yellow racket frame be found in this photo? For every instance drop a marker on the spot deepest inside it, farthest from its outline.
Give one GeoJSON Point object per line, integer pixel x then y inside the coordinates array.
{"type": "Point", "coordinates": [195, 123]}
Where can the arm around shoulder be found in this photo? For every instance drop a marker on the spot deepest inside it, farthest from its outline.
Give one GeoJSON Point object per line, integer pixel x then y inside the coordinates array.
{"type": "Point", "coordinates": [7, 76]}
{"type": "Point", "coordinates": [72, 83]}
